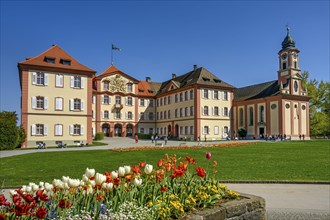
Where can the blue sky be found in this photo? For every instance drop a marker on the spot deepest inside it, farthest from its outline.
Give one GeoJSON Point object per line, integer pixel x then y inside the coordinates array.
{"type": "Point", "coordinates": [236, 40]}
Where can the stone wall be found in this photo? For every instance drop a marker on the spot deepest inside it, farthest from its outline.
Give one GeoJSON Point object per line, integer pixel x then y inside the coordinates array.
{"type": "Point", "coordinates": [248, 207]}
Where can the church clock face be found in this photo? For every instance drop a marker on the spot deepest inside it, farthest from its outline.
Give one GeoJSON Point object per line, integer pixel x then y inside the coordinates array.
{"type": "Point", "coordinates": [295, 86]}
{"type": "Point", "coordinates": [284, 56]}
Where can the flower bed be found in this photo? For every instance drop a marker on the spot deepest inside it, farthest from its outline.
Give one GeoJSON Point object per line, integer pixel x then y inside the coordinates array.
{"type": "Point", "coordinates": [176, 187]}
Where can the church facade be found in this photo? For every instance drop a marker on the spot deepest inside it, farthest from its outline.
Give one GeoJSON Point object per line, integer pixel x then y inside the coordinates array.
{"type": "Point", "coordinates": [64, 101]}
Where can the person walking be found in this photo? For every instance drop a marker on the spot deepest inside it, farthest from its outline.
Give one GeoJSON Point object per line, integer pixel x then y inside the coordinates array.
{"type": "Point", "coordinates": [136, 139]}
{"type": "Point", "coordinates": [199, 140]}
{"type": "Point", "coordinates": [165, 139]}
{"type": "Point", "coordinates": [152, 138]}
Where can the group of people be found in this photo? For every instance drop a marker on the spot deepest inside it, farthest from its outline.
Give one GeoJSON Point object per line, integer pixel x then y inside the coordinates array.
{"type": "Point", "coordinates": [275, 137]}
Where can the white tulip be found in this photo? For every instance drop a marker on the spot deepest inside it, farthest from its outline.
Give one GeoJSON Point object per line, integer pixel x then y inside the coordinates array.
{"type": "Point", "coordinates": [23, 189]}
{"type": "Point", "coordinates": [114, 174]}
{"type": "Point", "coordinates": [92, 183]}
{"type": "Point", "coordinates": [41, 184]}
{"type": "Point", "coordinates": [137, 182]}
{"type": "Point", "coordinates": [28, 189]}
{"type": "Point", "coordinates": [65, 179]}
{"type": "Point", "coordinates": [89, 190]}
{"type": "Point", "coordinates": [73, 183]}
{"type": "Point", "coordinates": [127, 169]}
{"type": "Point", "coordinates": [85, 178]}
{"type": "Point", "coordinates": [66, 186]}
{"type": "Point", "coordinates": [12, 192]}
{"type": "Point", "coordinates": [58, 183]}
{"type": "Point", "coordinates": [100, 178]}
{"type": "Point", "coordinates": [49, 187]}
{"type": "Point", "coordinates": [121, 171]}
{"type": "Point", "coordinates": [34, 187]}
{"type": "Point", "coordinates": [109, 185]}
{"type": "Point", "coordinates": [148, 169]}
{"type": "Point", "coordinates": [82, 183]}
{"type": "Point", "coordinates": [90, 172]}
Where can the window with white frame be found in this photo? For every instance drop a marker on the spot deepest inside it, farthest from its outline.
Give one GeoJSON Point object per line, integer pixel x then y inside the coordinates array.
{"type": "Point", "coordinates": [181, 130]}
{"type": "Point", "coordinates": [165, 114]}
{"type": "Point", "coordinates": [181, 97]}
{"type": "Point", "coordinates": [129, 101]}
{"type": "Point", "coordinates": [118, 100]}
{"type": "Point", "coordinates": [106, 100]}
{"type": "Point", "coordinates": [191, 94]}
{"type": "Point", "coordinates": [191, 110]}
{"type": "Point", "coordinates": [58, 130]}
{"type": "Point", "coordinates": [225, 95]}
{"type": "Point", "coordinates": [186, 111]}
{"type": "Point", "coordinates": [129, 87]}
{"type": "Point", "coordinates": [262, 113]}
{"type": "Point", "coordinates": [225, 130]}
{"type": "Point", "coordinates": [216, 94]}
{"type": "Point", "coordinates": [186, 130]}
{"type": "Point", "coordinates": [176, 98]}
{"type": "Point", "coordinates": [41, 102]}
{"type": "Point", "coordinates": [206, 110]}
{"type": "Point", "coordinates": [186, 95]}
{"type": "Point", "coordinates": [206, 93]}
{"type": "Point", "coordinates": [58, 104]}
{"type": "Point", "coordinates": [40, 78]}
{"type": "Point", "coordinates": [225, 111]}
{"type": "Point", "coordinates": [206, 130]}
{"type": "Point", "coordinates": [157, 115]}
{"type": "Point", "coordinates": [216, 130]}
{"type": "Point", "coordinates": [191, 129]}
{"type": "Point", "coordinates": [169, 99]}
{"type": "Point", "coordinates": [129, 115]}
{"type": "Point", "coordinates": [77, 82]}
{"type": "Point", "coordinates": [141, 102]}
{"type": "Point", "coordinates": [165, 101]}
{"type": "Point", "coordinates": [181, 112]}
{"type": "Point", "coordinates": [76, 129]}
{"type": "Point", "coordinates": [106, 114]}
{"type": "Point", "coordinates": [94, 99]}
{"type": "Point", "coordinates": [117, 114]}
{"type": "Point", "coordinates": [151, 116]}
{"type": "Point", "coordinates": [142, 130]}
{"type": "Point", "coordinates": [161, 115]}
{"type": "Point", "coordinates": [77, 104]}
{"type": "Point", "coordinates": [142, 115]}
{"type": "Point", "coordinates": [106, 85]}
{"type": "Point", "coordinates": [250, 116]}
{"type": "Point", "coordinates": [216, 110]}
{"type": "Point", "coordinates": [176, 113]}
{"type": "Point", "coordinates": [151, 103]}
{"type": "Point", "coordinates": [39, 129]}
{"type": "Point", "coordinates": [169, 114]}
{"type": "Point", "coordinates": [59, 80]}
{"type": "Point", "coordinates": [161, 101]}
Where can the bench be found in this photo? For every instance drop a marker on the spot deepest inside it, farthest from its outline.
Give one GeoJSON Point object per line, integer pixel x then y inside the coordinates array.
{"type": "Point", "coordinates": [159, 144]}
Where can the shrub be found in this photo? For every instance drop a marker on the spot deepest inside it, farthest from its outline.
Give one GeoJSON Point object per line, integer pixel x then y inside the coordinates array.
{"type": "Point", "coordinates": [143, 136]}
{"type": "Point", "coordinates": [99, 136]}
{"type": "Point", "coordinates": [21, 136]}
{"type": "Point", "coordinates": [9, 136]}
{"type": "Point", "coordinates": [242, 132]}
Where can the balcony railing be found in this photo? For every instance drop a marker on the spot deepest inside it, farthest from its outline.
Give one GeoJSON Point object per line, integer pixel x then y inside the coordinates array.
{"type": "Point", "coordinates": [118, 106]}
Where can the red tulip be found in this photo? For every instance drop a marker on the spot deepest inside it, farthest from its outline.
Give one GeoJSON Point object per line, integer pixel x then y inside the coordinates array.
{"type": "Point", "coordinates": [160, 163]}
{"type": "Point", "coordinates": [200, 171]}
{"type": "Point", "coordinates": [208, 155]}
{"type": "Point", "coordinates": [136, 169]}
{"type": "Point", "coordinates": [41, 213]}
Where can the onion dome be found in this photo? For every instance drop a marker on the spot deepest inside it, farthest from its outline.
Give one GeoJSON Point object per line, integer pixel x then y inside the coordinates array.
{"type": "Point", "coordinates": [288, 42]}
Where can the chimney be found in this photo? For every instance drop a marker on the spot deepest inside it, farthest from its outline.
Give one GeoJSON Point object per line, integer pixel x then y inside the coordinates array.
{"type": "Point", "coordinates": [173, 75]}
{"type": "Point", "coordinates": [195, 67]}
{"type": "Point", "coordinates": [148, 79]}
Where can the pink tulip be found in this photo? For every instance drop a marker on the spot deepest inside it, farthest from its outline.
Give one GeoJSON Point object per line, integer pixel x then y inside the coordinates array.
{"type": "Point", "coordinates": [208, 155]}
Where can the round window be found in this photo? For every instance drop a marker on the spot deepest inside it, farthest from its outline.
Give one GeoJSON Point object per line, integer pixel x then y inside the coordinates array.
{"type": "Point", "coordinates": [303, 107]}
{"type": "Point", "coordinates": [287, 105]}
{"type": "Point", "coordinates": [273, 106]}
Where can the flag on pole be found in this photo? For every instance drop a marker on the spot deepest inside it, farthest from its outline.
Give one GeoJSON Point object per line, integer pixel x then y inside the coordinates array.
{"type": "Point", "coordinates": [115, 48]}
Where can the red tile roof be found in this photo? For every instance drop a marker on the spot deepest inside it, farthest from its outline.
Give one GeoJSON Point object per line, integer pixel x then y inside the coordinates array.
{"type": "Point", "coordinates": [144, 89]}
{"type": "Point", "coordinates": [114, 70]}
{"type": "Point", "coordinates": [57, 53]}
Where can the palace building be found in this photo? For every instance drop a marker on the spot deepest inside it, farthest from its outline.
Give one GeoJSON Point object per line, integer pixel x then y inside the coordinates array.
{"type": "Point", "coordinates": [64, 101]}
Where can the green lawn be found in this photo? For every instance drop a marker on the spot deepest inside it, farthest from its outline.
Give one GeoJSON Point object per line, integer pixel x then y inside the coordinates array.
{"type": "Point", "coordinates": [292, 161]}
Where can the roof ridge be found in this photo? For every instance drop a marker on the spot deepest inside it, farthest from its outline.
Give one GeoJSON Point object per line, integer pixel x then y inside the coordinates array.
{"type": "Point", "coordinates": [272, 81]}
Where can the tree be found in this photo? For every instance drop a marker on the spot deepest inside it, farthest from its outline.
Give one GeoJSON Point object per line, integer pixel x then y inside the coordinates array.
{"type": "Point", "coordinates": [319, 105]}
{"type": "Point", "coordinates": [9, 136]}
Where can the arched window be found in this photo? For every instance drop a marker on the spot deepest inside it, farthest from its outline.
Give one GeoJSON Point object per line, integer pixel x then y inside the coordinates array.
{"type": "Point", "coordinates": [250, 116]}
{"type": "Point", "coordinates": [240, 117]}
{"type": "Point", "coordinates": [262, 113]}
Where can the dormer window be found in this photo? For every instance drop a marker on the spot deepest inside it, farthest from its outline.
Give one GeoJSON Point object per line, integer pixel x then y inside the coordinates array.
{"type": "Point", "coordinates": [65, 62]}
{"type": "Point", "coordinates": [217, 80]}
{"type": "Point", "coordinates": [206, 79]}
{"type": "Point", "coordinates": [49, 60]}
